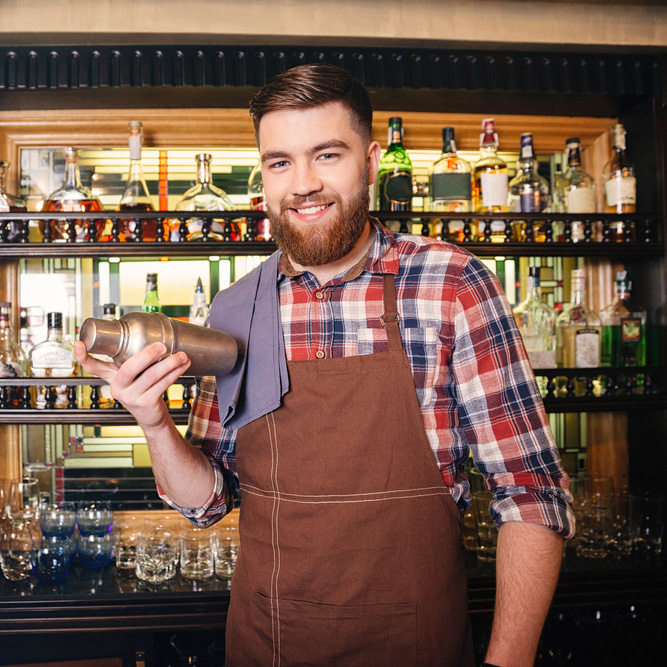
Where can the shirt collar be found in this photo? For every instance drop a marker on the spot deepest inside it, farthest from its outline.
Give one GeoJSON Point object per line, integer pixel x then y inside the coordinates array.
{"type": "Point", "coordinates": [382, 257]}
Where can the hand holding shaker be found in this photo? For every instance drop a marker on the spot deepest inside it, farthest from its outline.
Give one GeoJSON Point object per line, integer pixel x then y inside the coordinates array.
{"type": "Point", "coordinates": [211, 352]}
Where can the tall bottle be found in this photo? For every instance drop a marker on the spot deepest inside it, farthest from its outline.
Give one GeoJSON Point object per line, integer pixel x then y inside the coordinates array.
{"type": "Point", "coordinates": [12, 358]}
{"type": "Point", "coordinates": [198, 308]}
{"type": "Point", "coordinates": [257, 202]}
{"type": "Point", "coordinates": [489, 184]}
{"type": "Point", "coordinates": [151, 302]}
{"type": "Point", "coordinates": [135, 197]}
{"type": "Point", "coordinates": [72, 197]}
{"type": "Point", "coordinates": [450, 186]}
{"type": "Point", "coordinates": [623, 327]}
{"type": "Point", "coordinates": [394, 181]}
{"type": "Point", "coordinates": [620, 184]}
{"type": "Point", "coordinates": [10, 203]}
{"type": "Point", "coordinates": [204, 196]}
{"type": "Point", "coordinates": [53, 357]}
{"type": "Point", "coordinates": [537, 323]}
{"type": "Point", "coordinates": [578, 329]}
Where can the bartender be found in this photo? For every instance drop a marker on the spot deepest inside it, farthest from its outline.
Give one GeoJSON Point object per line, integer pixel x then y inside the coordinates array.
{"type": "Point", "coordinates": [371, 365]}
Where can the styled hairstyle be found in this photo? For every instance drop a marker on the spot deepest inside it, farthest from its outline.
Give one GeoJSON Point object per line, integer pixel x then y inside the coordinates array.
{"type": "Point", "coordinates": [308, 86]}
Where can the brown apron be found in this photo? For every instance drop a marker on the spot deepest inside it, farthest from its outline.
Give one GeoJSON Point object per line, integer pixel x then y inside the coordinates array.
{"type": "Point", "coordinates": [350, 541]}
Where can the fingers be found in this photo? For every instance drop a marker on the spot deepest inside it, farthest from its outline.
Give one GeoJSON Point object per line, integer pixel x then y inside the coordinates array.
{"type": "Point", "coordinates": [103, 369]}
{"type": "Point", "coordinates": [144, 371]}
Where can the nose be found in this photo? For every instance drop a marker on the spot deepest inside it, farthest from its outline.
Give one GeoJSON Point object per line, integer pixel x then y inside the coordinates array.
{"type": "Point", "coordinates": [305, 179]}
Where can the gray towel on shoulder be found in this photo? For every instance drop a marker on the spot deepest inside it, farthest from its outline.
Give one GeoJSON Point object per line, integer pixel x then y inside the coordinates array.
{"type": "Point", "coordinates": [249, 311]}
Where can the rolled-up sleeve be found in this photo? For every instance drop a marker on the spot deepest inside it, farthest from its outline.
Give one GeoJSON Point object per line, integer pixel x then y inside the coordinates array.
{"type": "Point", "coordinates": [501, 411]}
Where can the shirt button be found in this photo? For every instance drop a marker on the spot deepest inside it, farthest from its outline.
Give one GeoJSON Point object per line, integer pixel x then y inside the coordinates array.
{"type": "Point", "coordinates": [320, 354]}
{"type": "Point", "coordinates": [319, 295]}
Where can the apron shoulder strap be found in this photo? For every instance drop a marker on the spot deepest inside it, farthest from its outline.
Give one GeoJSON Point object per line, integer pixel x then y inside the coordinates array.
{"type": "Point", "coordinates": [390, 318]}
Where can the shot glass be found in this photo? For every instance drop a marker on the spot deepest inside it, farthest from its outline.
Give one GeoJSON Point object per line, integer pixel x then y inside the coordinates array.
{"type": "Point", "coordinates": [51, 558]}
{"type": "Point", "coordinates": [95, 551]}
{"type": "Point", "coordinates": [157, 553]}
{"type": "Point", "coordinates": [226, 551]}
{"type": "Point", "coordinates": [94, 518]}
{"type": "Point", "coordinates": [57, 519]}
{"type": "Point", "coordinates": [197, 554]}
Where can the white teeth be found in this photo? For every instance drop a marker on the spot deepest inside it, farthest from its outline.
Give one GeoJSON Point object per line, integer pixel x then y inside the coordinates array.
{"type": "Point", "coordinates": [311, 210]}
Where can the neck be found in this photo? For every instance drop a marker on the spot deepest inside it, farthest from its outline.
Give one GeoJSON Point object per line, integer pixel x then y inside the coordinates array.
{"type": "Point", "coordinates": [326, 272]}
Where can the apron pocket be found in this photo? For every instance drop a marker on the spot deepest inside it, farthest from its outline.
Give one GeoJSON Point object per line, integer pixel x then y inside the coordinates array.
{"type": "Point", "coordinates": [322, 635]}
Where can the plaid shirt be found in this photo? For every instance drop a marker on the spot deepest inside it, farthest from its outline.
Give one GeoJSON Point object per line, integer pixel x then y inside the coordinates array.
{"type": "Point", "coordinates": [475, 387]}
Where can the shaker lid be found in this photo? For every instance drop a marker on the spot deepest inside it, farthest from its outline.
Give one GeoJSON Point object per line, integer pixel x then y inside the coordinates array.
{"type": "Point", "coordinates": [101, 336]}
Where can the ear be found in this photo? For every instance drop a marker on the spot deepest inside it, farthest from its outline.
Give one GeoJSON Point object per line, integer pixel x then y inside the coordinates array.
{"type": "Point", "coordinates": [373, 160]}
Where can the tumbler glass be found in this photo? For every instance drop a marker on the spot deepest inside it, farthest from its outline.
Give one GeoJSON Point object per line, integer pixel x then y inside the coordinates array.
{"type": "Point", "coordinates": [127, 530]}
{"type": "Point", "coordinates": [596, 517]}
{"type": "Point", "coordinates": [648, 546]}
{"type": "Point", "coordinates": [157, 553]}
{"type": "Point", "coordinates": [197, 559]}
{"type": "Point", "coordinates": [16, 543]}
{"type": "Point", "coordinates": [226, 551]}
{"type": "Point", "coordinates": [94, 518]}
{"type": "Point", "coordinates": [57, 519]}
{"type": "Point", "coordinates": [95, 551]}
{"type": "Point", "coordinates": [51, 558]}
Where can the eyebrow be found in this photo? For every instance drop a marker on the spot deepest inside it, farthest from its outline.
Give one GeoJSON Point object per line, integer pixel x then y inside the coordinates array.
{"type": "Point", "coordinates": [325, 145]}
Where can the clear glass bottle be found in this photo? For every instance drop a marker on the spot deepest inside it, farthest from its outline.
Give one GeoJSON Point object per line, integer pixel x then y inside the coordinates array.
{"type": "Point", "coordinates": [578, 329]}
{"type": "Point", "coordinates": [72, 197]}
{"type": "Point", "coordinates": [450, 186]}
{"type": "Point", "coordinates": [53, 357]}
{"type": "Point", "coordinates": [537, 323]}
{"type": "Point", "coordinates": [151, 302]}
{"type": "Point", "coordinates": [136, 197]}
{"type": "Point", "coordinates": [576, 191]}
{"type": "Point", "coordinates": [10, 203]}
{"type": "Point", "coordinates": [198, 308]}
{"type": "Point", "coordinates": [623, 327]}
{"type": "Point", "coordinates": [257, 202]}
{"type": "Point", "coordinates": [489, 184]}
{"type": "Point", "coordinates": [394, 180]}
{"type": "Point", "coordinates": [620, 183]}
{"type": "Point", "coordinates": [204, 196]}
{"type": "Point", "coordinates": [12, 358]}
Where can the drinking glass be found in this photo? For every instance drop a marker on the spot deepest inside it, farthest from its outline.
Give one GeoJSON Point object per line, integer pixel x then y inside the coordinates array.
{"type": "Point", "coordinates": [16, 542]}
{"type": "Point", "coordinates": [596, 514]}
{"type": "Point", "coordinates": [197, 559]}
{"type": "Point", "coordinates": [57, 519]}
{"type": "Point", "coordinates": [95, 551]}
{"type": "Point", "coordinates": [624, 527]}
{"type": "Point", "coordinates": [226, 551]}
{"type": "Point", "coordinates": [157, 553]}
{"type": "Point", "coordinates": [94, 518]}
{"type": "Point", "coordinates": [486, 529]}
{"type": "Point", "coordinates": [23, 493]}
{"type": "Point", "coordinates": [651, 519]}
{"type": "Point", "coordinates": [51, 558]}
{"type": "Point", "coordinates": [127, 530]}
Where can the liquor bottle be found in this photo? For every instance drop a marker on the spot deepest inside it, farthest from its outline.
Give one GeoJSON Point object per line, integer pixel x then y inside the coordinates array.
{"type": "Point", "coordinates": [575, 189]}
{"type": "Point", "coordinates": [53, 357]}
{"type": "Point", "coordinates": [204, 196]}
{"type": "Point", "coordinates": [151, 302]}
{"type": "Point", "coordinates": [394, 180]}
{"type": "Point", "coordinates": [257, 203]}
{"type": "Point", "coordinates": [489, 184]}
{"type": "Point", "coordinates": [620, 184]}
{"type": "Point", "coordinates": [12, 358]}
{"type": "Point", "coordinates": [10, 204]}
{"type": "Point", "coordinates": [198, 309]}
{"type": "Point", "coordinates": [450, 186]}
{"type": "Point", "coordinates": [528, 191]}
{"type": "Point", "coordinates": [135, 197]}
{"type": "Point", "coordinates": [72, 197]}
{"type": "Point", "coordinates": [578, 330]}
{"type": "Point", "coordinates": [536, 322]}
{"type": "Point", "coordinates": [623, 328]}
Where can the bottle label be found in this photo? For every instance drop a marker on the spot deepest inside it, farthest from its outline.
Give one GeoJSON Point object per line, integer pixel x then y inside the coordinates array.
{"type": "Point", "coordinates": [451, 186]}
{"type": "Point", "coordinates": [580, 200]}
{"type": "Point", "coordinates": [494, 189]}
{"type": "Point", "coordinates": [620, 191]}
{"type": "Point", "coordinates": [533, 202]}
{"type": "Point", "coordinates": [135, 147]}
{"type": "Point", "coordinates": [631, 329]}
{"type": "Point", "coordinates": [398, 187]}
{"type": "Point", "coordinates": [587, 345]}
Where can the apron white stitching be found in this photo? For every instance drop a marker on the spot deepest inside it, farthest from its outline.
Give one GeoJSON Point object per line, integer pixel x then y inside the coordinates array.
{"type": "Point", "coordinates": [275, 622]}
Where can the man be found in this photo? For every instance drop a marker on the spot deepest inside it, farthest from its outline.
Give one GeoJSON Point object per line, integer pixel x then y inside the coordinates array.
{"type": "Point", "coordinates": [402, 356]}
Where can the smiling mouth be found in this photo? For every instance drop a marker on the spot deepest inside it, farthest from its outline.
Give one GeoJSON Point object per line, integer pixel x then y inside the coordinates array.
{"type": "Point", "coordinates": [310, 210]}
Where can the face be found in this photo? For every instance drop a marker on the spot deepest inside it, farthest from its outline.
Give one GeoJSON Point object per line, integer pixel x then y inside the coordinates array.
{"type": "Point", "coordinates": [316, 170]}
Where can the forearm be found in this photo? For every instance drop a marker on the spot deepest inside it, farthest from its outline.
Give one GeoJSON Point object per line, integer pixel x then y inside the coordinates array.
{"type": "Point", "coordinates": [527, 565]}
{"type": "Point", "coordinates": [182, 471]}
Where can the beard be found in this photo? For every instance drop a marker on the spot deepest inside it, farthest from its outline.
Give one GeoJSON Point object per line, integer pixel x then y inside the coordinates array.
{"type": "Point", "coordinates": [325, 242]}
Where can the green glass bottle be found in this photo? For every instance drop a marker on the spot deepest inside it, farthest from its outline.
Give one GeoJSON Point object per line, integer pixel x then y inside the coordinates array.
{"type": "Point", "coordinates": [151, 302]}
{"type": "Point", "coordinates": [394, 182]}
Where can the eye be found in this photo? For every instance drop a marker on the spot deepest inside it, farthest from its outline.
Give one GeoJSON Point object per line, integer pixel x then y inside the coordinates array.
{"type": "Point", "coordinates": [279, 164]}
{"type": "Point", "coordinates": [328, 156]}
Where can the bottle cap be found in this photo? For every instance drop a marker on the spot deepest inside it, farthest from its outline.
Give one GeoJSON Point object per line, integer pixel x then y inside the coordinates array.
{"type": "Point", "coordinates": [54, 320]}
{"type": "Point", "coordinates": [488, 136]}
{"type": "Point", "coordinates": [396, 119]}
{"type": "Point", "coordinates": [109, 308]}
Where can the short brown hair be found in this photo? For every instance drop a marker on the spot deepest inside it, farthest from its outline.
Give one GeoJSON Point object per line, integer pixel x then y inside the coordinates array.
{"type": "Point", "coordinates": [307, 86]}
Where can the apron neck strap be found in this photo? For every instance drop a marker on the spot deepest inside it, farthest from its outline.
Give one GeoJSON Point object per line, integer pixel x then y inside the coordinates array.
{"type": "Point", "coordinates": [391, 317]}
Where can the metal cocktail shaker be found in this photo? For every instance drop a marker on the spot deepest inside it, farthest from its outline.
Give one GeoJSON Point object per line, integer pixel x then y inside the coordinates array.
{"type": "Point", "coordinates": [211, 352]}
